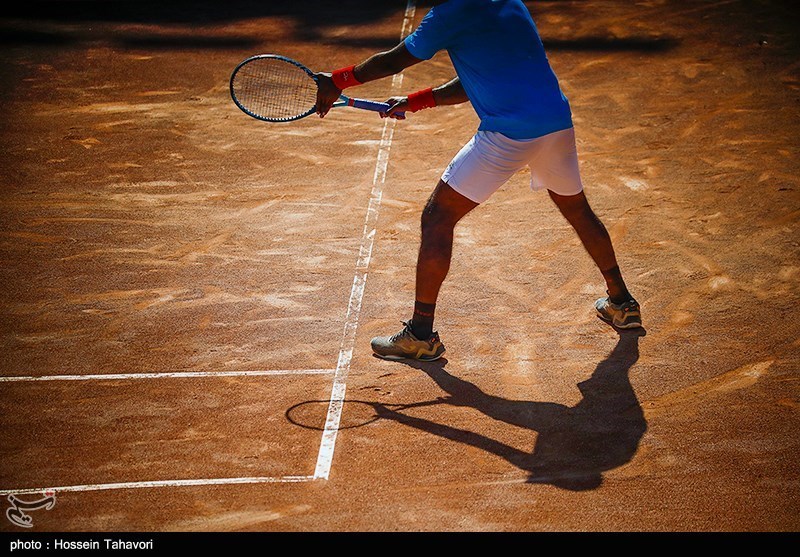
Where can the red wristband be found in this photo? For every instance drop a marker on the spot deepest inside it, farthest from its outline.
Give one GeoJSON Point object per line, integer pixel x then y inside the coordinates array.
{"type": "Point", "coordinates": [345, 78]}
{"type": "Point", "coordinates": [421, 99]}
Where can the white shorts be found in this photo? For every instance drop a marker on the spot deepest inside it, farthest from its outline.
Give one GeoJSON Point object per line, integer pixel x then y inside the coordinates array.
{"type": "Point", "coordinates": [490, 159]}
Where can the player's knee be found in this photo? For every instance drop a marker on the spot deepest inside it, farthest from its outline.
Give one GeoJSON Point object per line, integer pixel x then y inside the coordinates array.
{"type": "Point", "coordinates": [428, 220]}
{"type": "Point", "coordinates": [574, 207]}
{"type": "Point", "coordinates": [434, 217]}
{"type": "Point", "coordinates": [444, 209]}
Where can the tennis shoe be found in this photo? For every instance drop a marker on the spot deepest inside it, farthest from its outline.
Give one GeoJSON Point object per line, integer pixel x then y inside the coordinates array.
{"type": "Point", "coordinates": [404, 345]}
{"type": "Point", "coordinates": [626, 315]}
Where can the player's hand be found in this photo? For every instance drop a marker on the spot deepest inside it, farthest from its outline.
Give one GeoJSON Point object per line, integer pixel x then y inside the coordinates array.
{"type": "Point", "coordinates": [397, 108]}
{"type": "Point", "coordinates": [327, 93]}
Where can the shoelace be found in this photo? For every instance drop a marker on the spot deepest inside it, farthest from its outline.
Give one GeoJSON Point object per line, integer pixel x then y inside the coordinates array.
{"type": "Point", "coordinates": [404, 333]}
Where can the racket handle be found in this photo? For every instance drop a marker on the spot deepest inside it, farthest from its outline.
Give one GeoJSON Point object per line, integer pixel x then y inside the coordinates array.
{"type": "Point", "coordinates": [372, 105]}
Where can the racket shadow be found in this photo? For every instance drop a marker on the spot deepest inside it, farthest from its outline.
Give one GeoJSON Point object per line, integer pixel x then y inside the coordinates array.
{"type": "Point", "coordinates": [574, 445]}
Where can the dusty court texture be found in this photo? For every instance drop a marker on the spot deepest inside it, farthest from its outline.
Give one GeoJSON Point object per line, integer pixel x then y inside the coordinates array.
{"type": "Point", "coordinates": [188, 294]}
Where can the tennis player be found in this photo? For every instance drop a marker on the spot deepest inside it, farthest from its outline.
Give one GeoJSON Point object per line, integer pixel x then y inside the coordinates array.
{"type": "Point", "coordinates": [525, 120]}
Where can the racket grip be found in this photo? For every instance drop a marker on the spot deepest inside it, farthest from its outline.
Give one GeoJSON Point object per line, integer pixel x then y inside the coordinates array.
{"type": "Point", "coordinates": [372, 105]}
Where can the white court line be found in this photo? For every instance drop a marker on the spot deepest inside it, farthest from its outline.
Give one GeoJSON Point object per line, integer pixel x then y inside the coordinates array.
{"type": "Point", "coordinates": [325, 457]}
{"type": "Point", "coordinates": [159, 483]}
{"type": "Point", "coordinates": [165, 375]}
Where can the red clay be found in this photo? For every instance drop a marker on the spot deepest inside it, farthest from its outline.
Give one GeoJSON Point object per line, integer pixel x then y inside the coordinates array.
{"type": "Point", "coordinates": [147, 225]}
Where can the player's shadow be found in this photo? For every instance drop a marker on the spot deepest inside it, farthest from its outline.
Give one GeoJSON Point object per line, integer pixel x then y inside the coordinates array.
{"type": "Point", "coordinates": [574, 445]}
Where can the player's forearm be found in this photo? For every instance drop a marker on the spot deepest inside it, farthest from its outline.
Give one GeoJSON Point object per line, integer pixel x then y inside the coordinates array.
{"type": "Point", "coordinates": [451, 92]}
{"type": "Point", "coordinates": [375, 67]}
{"type": "Point", "coordinates": [384, 64]}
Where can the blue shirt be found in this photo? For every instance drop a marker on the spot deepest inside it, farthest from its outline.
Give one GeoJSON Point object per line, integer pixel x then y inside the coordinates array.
{"type": "Point", "coordinates": [499, 57]}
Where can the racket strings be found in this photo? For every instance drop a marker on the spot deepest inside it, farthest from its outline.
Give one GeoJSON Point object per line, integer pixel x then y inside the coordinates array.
{"type": "Point", "coordinates": [274, 89]}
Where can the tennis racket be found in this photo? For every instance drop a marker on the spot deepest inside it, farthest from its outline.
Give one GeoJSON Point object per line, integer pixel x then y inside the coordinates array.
{"type": "Point", "coordinates": [311, 414]}
{"type": "Point", "coordinates": [275, 88]}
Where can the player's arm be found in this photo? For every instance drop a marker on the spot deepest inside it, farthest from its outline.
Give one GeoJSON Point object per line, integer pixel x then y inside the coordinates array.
{"type": "Point", "coordinates": [377, 66]}
{"type": "Point", "coordinates": [451, 92]}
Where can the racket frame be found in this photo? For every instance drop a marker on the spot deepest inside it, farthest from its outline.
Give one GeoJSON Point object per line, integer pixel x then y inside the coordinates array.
{"type": "Point", "coordinates": [343, 99]}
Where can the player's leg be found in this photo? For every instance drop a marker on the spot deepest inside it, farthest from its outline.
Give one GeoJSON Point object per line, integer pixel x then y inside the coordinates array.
{"type": "Point", "coordinates": [556, 168]}
{"type": "Point", "coordinates": [619, 308]}
{"type": "Point", "coordinates": [483, 165]}
{"type": "Point", "coordinates": [596, 240]}
{"type": "Point", "coordinates": [417, 339]}
{"type": "Point", "coordinates": [439, 218]}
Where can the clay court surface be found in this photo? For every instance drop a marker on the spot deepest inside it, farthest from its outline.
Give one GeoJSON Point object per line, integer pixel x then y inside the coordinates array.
{"type": "Point", "coordinates": [157, 243]}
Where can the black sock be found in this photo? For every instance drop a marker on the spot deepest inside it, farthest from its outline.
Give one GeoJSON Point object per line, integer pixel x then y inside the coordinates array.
{"type": "Point", "coordinates": [422, 322]}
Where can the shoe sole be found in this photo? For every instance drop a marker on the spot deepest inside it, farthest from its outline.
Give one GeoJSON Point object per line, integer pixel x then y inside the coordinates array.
{"type": "Point", "coordinates": [634, 325]}
{"type": "Point", "coordinates": [395, 358]}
